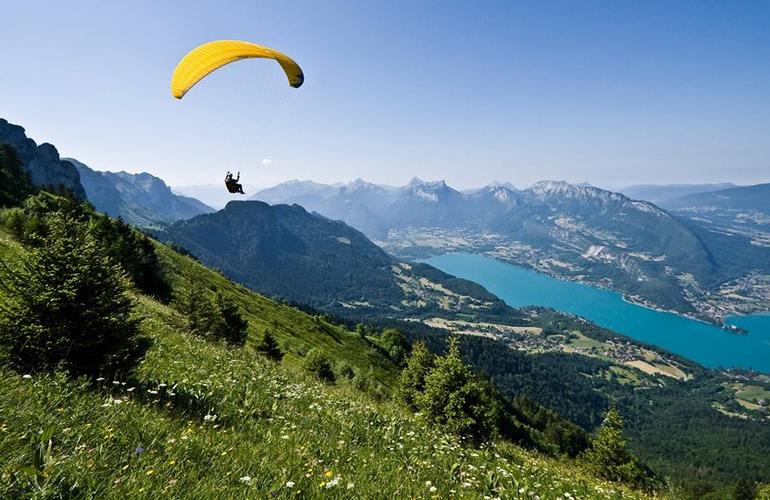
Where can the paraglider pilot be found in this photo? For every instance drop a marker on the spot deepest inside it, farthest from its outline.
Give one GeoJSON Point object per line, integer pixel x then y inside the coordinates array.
{"type": "Point", "coordinates": [232, 184]}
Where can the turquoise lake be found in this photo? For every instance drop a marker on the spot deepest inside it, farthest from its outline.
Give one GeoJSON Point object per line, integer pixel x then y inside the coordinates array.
{"type": "Point", "coordinates": [707, 344]}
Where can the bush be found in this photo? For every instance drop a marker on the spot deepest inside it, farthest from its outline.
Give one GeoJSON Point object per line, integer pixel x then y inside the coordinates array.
{"type": "Point", "coordinates": [345, 370]}
{"type": "Point", "coordinates": [67, 305]}
{"type": "Point", "coordinates": [268, 346]}
{"type": "Point", "coordinates": [317, 364]}
{"type": "Point", "coordinates": [395, 344]}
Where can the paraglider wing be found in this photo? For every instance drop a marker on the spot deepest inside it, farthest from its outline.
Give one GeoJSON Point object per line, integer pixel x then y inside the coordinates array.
{"type": "Point", "coordinates": [211, 56]}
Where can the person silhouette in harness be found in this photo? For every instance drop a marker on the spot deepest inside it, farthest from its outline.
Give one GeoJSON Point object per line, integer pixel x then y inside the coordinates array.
{"type": "Point", "coordinates": [232, 184]}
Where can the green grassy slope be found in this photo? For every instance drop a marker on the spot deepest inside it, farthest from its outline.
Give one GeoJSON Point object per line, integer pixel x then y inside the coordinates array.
{"type": "Point", "coordinates": [296, 331]}
{"type": "Point", "coordinates": [273, 425]}
{"type": "Point", "coordinates": [199, 419]}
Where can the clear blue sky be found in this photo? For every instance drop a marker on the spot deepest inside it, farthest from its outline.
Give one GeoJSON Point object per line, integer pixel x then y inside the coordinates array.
{"type": "Point", "coordinates": [610, 92]}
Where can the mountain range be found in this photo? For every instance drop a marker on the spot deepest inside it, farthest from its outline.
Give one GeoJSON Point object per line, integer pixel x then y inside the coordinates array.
{"type": "Point", "coordinates": [141, 199]}
{"type": "Point", "coordinates": [571, 231]}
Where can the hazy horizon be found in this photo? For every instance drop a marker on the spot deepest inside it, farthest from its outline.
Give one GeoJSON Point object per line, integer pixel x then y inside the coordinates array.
{"type": "Point", "coordinates": [604, 93]}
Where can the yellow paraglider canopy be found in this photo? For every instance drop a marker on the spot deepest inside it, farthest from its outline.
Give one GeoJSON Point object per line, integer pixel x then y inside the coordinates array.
{"type": "Point", "coordinates": [211, 56]}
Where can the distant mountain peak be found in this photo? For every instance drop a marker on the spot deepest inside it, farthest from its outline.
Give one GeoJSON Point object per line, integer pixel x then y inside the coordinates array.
{"type": "Point", "coordinates": [565, 189]}
{"type": "Point", "coordinates": [502, 194]}
{"type": "Point", "coordinates": [506, 185]}
{"type": "Point", "coordinates": [359, 184]}
{"type": "Point", "coordinates": [415, 181]}
{"type": "Point", "coordinates": [431, 191]}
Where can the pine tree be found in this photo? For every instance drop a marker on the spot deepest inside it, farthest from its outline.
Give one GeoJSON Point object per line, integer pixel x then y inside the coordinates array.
{"type": "Point", "coordinates": [745, 489]}
{"type": "Point", "coordinates": [15, 184]}
{"type": "Point", "coordinates": [412, 381]}
{"type": "Point", "coordinates": [202, 314]}
{"type": "Point", "coordinates": [456, 399]}
{"type": "Point", "coordinates": [68, 305]}
{"type": "Point", "coordinates": [608, 455]}
{"type": "Point", "coordinates": [268, 346]}
{"type": "Point", "coordinates": [234, 327]}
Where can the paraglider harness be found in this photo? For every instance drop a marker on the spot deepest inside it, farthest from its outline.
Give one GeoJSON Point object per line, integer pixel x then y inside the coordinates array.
{"type": "Point", "coordinates": [232, 184]}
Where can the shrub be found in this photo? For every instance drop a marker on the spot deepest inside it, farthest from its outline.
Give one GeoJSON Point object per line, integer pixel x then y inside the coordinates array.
{"type": "Point", "coordinates": [317, 364]}
{"type": "Point", "coordinates": [395, 344]}
{"type": "Point", "coordinates": [268, 346]}
{"type": "Point", "coordinates": [345, 370]}
{"type": "Point", "coordinates": [68, 305]}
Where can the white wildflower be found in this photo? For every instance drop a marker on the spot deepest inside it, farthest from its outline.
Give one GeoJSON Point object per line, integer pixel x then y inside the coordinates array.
{"type": "Point", "coordinates": [209, 418]}
{"type": "Point", "coordinates": [27, 376]}
{"type": "Point", "coordinates": [290, 484]}
{"type": "Point", "coordinates": [245, 480]}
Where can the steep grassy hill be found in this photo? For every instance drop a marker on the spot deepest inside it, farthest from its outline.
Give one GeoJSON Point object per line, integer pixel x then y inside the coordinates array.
{"type": "Point", "coordinates": [198, 419]}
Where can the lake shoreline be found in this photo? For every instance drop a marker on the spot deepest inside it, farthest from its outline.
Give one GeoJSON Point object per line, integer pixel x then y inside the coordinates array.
{"type": "Point", "coordinates": [631, 299]}
{"type": "Point", "coordinates": [703, 342]}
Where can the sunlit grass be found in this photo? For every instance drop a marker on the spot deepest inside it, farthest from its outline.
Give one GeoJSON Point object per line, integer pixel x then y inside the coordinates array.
{"type": "Point", "coordinates": [202, 420]}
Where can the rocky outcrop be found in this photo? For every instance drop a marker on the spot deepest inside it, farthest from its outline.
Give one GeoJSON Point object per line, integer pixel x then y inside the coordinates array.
{"type": "Point", "coordinates": [42, 162]}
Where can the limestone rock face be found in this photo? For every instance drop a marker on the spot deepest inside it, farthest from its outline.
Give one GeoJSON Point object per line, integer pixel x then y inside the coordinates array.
{"type": "Point", "coordinates": [42, 161]}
